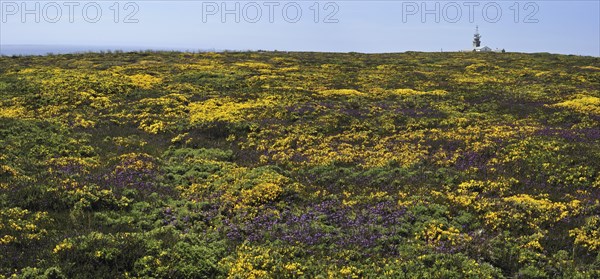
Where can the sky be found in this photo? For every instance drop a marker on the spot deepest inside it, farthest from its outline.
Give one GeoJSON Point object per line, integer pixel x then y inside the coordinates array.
{"type": "Point", "coordinates": [567, 27]}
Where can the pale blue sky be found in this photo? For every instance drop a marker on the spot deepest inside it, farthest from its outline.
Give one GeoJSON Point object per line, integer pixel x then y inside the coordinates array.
{"type": "Point", "coordinates": [569, 27]}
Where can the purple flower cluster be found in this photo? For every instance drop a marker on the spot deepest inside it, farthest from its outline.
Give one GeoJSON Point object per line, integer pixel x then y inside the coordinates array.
{"type": "Point", "coordinates": [70, 168]}
{"type": "Point", "coordinates": [301, 109]}
{"type": "Point", "coordinates": [419, 112]}
{"type": "Point", "coordinates": [137, 172]}
{"type": "Point", "coordinates": [571, 135]}
{"type": "Point", "coordinates": [473, 159]}
{"type": "Point", "coordinates": [169, 217]}
{"type": "Point", "coordinates": [325, 223]}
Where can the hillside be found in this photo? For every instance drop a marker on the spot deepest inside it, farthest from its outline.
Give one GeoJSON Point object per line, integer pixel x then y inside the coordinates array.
{"type": "Point", "coordinates": [291, 165]}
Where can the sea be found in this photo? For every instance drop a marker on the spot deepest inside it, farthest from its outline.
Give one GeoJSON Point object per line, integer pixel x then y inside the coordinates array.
{"type": "Point", "coordinates": [22, 50]}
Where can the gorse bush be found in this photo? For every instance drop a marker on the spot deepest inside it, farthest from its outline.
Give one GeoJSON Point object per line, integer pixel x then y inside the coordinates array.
{"type": "Point", "coordinates": [299, 165]}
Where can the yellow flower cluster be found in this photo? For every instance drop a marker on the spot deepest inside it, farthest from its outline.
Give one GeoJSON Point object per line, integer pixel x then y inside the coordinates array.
{"type": "Point", "coordinates": [66, 244]}
{"type": "Point", "coordinates": [20, 225]}
{"type": "Point", "coordinates": [225, 110]}
{"type": "Point", "coordinates": [12, 111]}
{"type": "Point", "coordinates": [475, 78]}
{"type": "Point", "coordinates": [590, 68]}
{"type": "Point", "coordinates": [136, 161]}
{"type": "Point", "coordinates": [409, 92]}
{"type": "Point", "coordinates": [583, 104]}
{"type": "Point", "coordinates": [347, 271]}
{"type": "Point", "coordinates": [261, 193]}
{"type": "Point", "coordinates": [8, 171]}
{"type": "Point", "coordinates": [268, 186]}
{"type": "Point", "coordinates": [538, 211]}
{"type": "Point", "coordinates": [254, 65]}
{"type": "Point", "coordinates": [470, 193]}
{"type": "Point", "coordinates": [241, 187]}
{"type": "Point", "coordinates": [156, 115]}
{"type": "Point", "coordinates": [588, 235]}
{"type": "Point", "coordinates": [434, 233]}
{"type": "Point", "coordinates": [350, 146]}
{"type": "Point", "coordinates": [341, 92]}
{"type": "Point", "coordinates": [145, 81]}
{"type": "Point", "coordinates": [250, 262]}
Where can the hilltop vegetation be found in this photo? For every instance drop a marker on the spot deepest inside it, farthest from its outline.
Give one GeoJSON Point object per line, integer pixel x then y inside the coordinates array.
{"type": "Point", "coordinates": [291, 165]}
